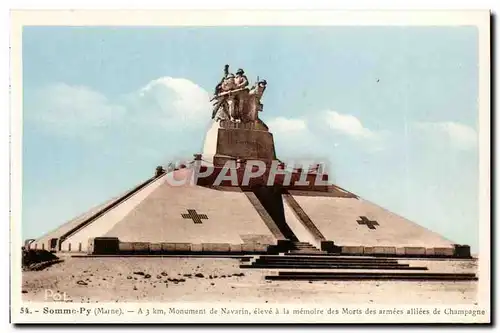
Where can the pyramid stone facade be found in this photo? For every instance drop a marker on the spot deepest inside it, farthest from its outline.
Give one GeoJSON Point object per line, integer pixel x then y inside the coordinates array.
{"type": "Point", "coordinates": [205, 214]}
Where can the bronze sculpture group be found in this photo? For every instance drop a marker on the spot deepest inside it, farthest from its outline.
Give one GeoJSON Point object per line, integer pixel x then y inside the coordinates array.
{"type": "Point", "coordinates": [233, 99]}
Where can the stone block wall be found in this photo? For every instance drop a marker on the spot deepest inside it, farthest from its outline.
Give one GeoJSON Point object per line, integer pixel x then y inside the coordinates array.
{"type": "Point", "coordinates": [458, 251]}
{"type": "Point", "coordinates": [108, 245]}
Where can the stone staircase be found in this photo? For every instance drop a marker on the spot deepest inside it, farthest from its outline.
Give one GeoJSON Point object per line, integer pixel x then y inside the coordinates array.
{"type": "Point", "coordinates": [304, 248]}
{"type": "Point", "coordinates": [327, 267]}
{"type": "Point", "coordinates": [357, 276]}
{"type": "Point", "coordinates": [302, 262]}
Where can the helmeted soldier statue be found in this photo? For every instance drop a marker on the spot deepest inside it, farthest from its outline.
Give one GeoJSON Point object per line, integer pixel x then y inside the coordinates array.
{"type": "Point", "coordinates": [241, 96]}
{"type": "Point", "coordinates": [234, 100]}
{"type": "Point", "coordinates": [218, 88]}
{"type": "Point", "coordinates": [240, 79]}
{"type": "Point", "coordinates": [254, 104]}
{"type": "Point", "coordinates": [224, 104]}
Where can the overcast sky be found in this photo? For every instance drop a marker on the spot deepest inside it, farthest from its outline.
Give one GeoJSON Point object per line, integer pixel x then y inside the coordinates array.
{"type": "Point", "coordinates": [393, 110]}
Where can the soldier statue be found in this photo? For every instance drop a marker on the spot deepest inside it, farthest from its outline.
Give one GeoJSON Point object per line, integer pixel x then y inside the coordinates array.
{"type": "Point", "coordinates": [234, 100]}
{"type": "Point", "coordinates": [218, 88]}
{"type": "Point", "coordinates": [241, 96]}
{"type": "Point", "coordinates": [254, 104]}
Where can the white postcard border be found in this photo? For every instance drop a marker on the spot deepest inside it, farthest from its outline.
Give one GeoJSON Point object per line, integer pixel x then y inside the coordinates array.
{"type": "Point", "coordinates": [480, 19]}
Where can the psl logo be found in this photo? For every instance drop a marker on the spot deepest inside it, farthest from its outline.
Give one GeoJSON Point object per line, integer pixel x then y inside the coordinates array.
{"type": "Point", "coordinates": [56, 296]}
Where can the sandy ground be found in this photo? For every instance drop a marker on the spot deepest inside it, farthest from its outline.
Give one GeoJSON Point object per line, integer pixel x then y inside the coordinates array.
{"type": "Point", "coordinates": [163, 280]}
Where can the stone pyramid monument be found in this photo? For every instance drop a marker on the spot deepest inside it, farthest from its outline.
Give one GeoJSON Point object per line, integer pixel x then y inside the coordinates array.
{"type": "Point", "coordinates": [238, 197]}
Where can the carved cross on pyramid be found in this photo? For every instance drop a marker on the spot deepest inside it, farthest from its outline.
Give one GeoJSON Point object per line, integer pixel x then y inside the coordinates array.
{"type": "Point", "coordinates": [193, 215]}
{"type": "Point", "coordinates": [370, 224]}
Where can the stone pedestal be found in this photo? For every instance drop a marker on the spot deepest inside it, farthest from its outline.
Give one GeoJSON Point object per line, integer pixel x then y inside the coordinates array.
{"type": "Point", "coordinates": [227, 140]}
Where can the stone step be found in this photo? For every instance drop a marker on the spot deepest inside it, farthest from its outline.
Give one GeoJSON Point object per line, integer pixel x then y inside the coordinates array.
{"type": "Point", "coordinates": [323, 263]}
{"type": "Point", "coordinates": [305, 253]}
{"type": "Point", "coordinates": [321, 257]}
{"type": "Point", "coordinates": [324, 258]}
{"type": "Point", "coordinates": [312, 251]}
{"type": "Point", "coordinates": [381, 270]}
{"type": "Point", "coordinates": [310, 276]}
{"type": "Point", "coordinates": [304, 247]}
{"type": "Point", "coordinates": [311, 254]}
{"type": "Point", "coordinates": [307, 273]}
{"type": "Point", "coordinates": [340, 266]}
{"type": "Point", "coordinates": [302, 244]}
